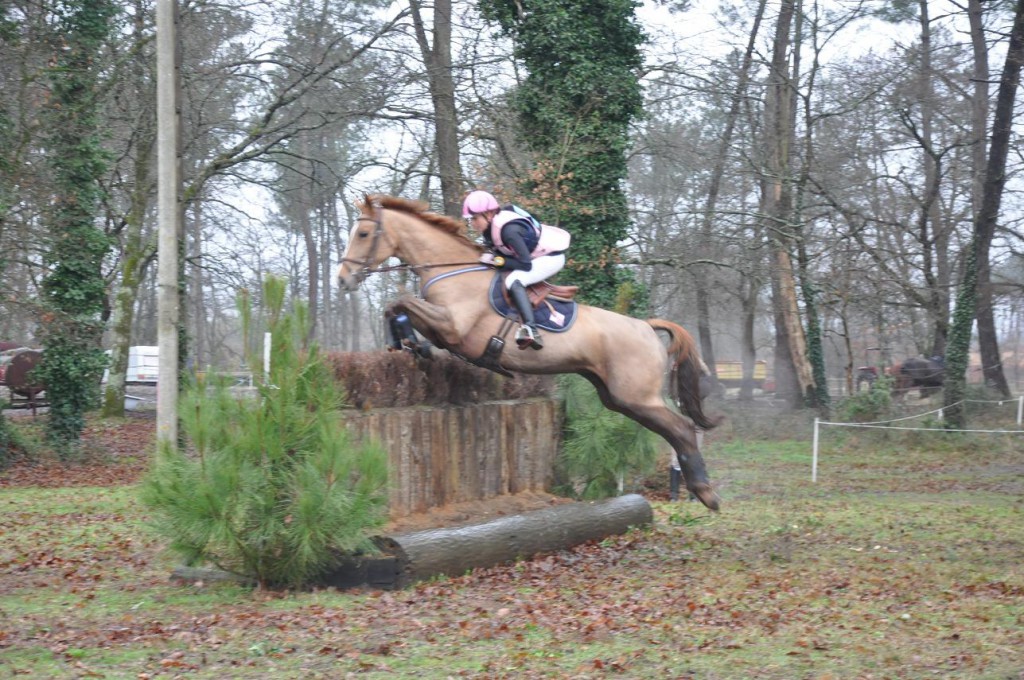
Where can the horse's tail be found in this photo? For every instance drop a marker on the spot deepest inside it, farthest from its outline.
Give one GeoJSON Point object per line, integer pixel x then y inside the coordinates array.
{"type": "Point", "coordinates": [688, 369]}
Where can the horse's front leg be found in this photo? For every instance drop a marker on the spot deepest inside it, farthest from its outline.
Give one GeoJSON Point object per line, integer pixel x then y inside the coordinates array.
{"type": "Point", "coordinates": [433, 321]}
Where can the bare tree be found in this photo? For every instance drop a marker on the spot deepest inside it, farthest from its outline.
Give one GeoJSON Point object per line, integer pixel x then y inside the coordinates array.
{"type": "Point", "coordinates": [437, 56]}
{"type": "Point", "coordinates": [793, 370]}
{"type": "Point", "coordinates": [988, 342]}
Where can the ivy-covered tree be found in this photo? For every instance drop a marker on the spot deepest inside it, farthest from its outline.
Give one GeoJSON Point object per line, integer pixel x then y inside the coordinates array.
{"type": "Point", "coordinates": [71, 325]}
{"type": "Point", "coordinates": [985, 221]}
{"type": "Point", "coordinates": [574, 109]}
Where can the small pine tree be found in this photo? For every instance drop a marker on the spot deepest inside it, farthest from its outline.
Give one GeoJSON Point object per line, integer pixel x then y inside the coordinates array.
{"type": "Point", "coordinates": [601, 447]}
{"type": "Point", "coordinates": [272, 489]}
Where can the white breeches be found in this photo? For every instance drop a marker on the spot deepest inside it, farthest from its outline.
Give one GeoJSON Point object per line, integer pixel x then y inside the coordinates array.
{"type": "Point", "coordinates": [544, 267]}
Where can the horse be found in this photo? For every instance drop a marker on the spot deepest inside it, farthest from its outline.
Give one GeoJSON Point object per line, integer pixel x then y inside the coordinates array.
{"type": "Point", "coordinates": [624, 358]}
{"type": "Point", "coordinates": [926, 375]}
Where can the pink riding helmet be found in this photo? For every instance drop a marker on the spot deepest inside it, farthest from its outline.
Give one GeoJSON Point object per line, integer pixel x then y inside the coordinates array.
{"type": "Point", "coordinates": [478, 202]}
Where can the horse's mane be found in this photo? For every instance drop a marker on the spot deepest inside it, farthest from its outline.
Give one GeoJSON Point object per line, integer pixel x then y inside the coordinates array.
{"type": "Point", "coordinates": [420, 209]}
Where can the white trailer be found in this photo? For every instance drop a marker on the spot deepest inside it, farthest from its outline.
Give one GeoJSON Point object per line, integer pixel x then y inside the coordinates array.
{"type": "Point", "coordinates": [143, 365]}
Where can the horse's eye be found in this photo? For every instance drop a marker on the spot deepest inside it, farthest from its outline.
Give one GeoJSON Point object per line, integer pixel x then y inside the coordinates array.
{"type": "Point", "coordinates": [364, 234]}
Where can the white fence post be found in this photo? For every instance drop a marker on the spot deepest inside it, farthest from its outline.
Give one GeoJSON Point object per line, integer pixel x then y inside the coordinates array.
{"type": "Point", "coordinates": [814, 455]}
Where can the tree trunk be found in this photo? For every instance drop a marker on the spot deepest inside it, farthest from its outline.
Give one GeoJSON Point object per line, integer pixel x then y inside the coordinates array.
{"type": "Point", "coordinates": [776, 207]}
{"type": "Point", "coordinates": [199, 312]}
{"type": "Point", "coordinates": [930, 232]}
{"type": "Point", "coordinates": [818, 394]}
{"type": "Point", "coordinates": [138, 248]}
{"type": "Point", "coordinates": [438, 60]}
{"type": "Point", "coordinates": [137, 253]}
{"type": "Point", "coordinates": [988, 343]}
{"type": "Point", "coordinates": [715, 185]}
{"type": "Point", "coordinates": [121, 334]}
{"type": "Point", "coordinates": [305, 214]}
{"type": "Point", "coordinates": [984, 224]}
{"type": "Point", "coordinates": [748, 346]}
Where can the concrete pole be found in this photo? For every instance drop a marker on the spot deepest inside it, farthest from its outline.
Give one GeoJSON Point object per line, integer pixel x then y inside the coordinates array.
{"type": "Point", "coordinates": [169, 222]}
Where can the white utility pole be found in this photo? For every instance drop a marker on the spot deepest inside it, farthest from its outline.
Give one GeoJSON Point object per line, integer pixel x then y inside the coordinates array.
{"type": "Point", "coordinates": [169, 222]}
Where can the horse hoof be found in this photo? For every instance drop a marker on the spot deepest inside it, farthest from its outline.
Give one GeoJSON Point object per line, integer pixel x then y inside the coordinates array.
{"type": "Point", "coordinates": [706, 495]}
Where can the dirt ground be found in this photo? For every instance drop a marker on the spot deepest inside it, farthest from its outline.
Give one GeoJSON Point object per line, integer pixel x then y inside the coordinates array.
{"type": "Point", "coordinates": [474, 511]}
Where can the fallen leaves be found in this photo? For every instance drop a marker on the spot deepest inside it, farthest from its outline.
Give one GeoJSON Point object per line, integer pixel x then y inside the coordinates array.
{"type": "Point", "coordinates": [89, 579]}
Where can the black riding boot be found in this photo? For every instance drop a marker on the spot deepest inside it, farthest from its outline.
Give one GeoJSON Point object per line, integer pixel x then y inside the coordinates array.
{"type": "Point", "coordinates": [674, 477]}
{"type": "Point", "coordinates": [528, 335]}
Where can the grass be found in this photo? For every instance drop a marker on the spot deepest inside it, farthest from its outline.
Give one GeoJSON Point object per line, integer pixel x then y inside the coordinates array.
{"type": "Point", "coordinates": [902, 561]}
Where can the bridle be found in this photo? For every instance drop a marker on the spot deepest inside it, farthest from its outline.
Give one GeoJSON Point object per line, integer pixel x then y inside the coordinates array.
{"type": "Point", "coordinates": [366, 263]}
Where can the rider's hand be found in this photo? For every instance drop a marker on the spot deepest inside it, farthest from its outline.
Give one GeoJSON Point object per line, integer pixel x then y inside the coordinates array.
{"type": "Point", "coordinates": [487, 258]}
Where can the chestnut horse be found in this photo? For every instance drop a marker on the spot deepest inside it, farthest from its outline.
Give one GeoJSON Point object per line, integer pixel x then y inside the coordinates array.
{"type": "Point", "coordinates": [621, 356]}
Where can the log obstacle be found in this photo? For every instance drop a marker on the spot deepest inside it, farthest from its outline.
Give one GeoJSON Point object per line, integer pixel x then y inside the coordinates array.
{"type": "Point", "coordinates": [467, 453]}
{"type": "Point", "coordinates": [417, 556]}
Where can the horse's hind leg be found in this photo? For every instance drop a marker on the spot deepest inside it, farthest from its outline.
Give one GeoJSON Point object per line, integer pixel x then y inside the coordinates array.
{"type": "Point", "coordinates": [675, 429]}
{"type": "Point", "coordinates": [651, 412]}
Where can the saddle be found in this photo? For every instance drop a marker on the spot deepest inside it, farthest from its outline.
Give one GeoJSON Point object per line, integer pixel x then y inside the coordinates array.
{"type": "Point", "coordinates": [554, 308]}
{"type": "Point", "coordinates": [539, 291]}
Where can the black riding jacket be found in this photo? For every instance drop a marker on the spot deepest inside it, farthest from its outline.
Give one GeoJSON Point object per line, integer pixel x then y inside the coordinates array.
{"type": "Point", "coordinates": [521, 237]}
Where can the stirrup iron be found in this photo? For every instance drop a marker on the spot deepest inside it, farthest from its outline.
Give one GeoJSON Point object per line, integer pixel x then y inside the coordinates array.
{"type": "Point", "coordinates": [528, 337]}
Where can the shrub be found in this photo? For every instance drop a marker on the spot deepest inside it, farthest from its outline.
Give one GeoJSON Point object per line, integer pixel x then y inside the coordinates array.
{"type": "Point", "coordinates": [869, 406]}
{"type": "Point", "coordinates": [272, 488]}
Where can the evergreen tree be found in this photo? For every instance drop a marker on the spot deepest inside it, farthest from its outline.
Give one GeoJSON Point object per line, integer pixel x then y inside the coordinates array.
{"type": "Point", "coordinates": [274, 491]}
{"type": "Point", "coordinates": [575, 108]}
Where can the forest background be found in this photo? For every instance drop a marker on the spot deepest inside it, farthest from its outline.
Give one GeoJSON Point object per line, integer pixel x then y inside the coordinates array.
{"type": "Point", "coordinates": [800, 169]}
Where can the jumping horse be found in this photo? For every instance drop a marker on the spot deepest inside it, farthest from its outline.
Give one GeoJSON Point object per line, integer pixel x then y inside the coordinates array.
{"type": "Point", "coordinates": [621, 356]}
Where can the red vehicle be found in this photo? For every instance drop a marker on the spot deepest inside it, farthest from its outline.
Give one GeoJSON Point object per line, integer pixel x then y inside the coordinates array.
{"type": "Point", "coordinates": [16, 365]}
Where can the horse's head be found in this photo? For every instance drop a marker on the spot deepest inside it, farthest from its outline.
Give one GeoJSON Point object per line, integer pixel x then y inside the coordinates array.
{"type": "Point", "coordinates": [389, 226]}
{"type": "Point", "coordinates": [368, 246]}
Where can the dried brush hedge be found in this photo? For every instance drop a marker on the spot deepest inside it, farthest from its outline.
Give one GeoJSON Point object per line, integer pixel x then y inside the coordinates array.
{"type": "Point", "coordinates": [383, 379]}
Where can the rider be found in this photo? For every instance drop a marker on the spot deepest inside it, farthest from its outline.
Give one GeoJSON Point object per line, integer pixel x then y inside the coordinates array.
{"type": "Point", "coordinates": [533, 251]}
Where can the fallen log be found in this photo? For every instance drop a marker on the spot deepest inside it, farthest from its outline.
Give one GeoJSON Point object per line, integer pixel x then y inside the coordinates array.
{"type": "Point", "coordinates": [453, 551]}
{"type": "Point", "coordinates": [417, 556]}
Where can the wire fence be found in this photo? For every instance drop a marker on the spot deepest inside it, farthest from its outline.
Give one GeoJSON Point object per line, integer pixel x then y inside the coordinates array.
{"type": "Point", "coordinates": [888, 425]}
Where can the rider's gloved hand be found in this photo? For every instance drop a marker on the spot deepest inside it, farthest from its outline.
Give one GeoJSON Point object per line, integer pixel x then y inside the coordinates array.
{"type": "Point", "coordinates": [512, 263]}
{"type": "Point", "coordinates": [488, 258]}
